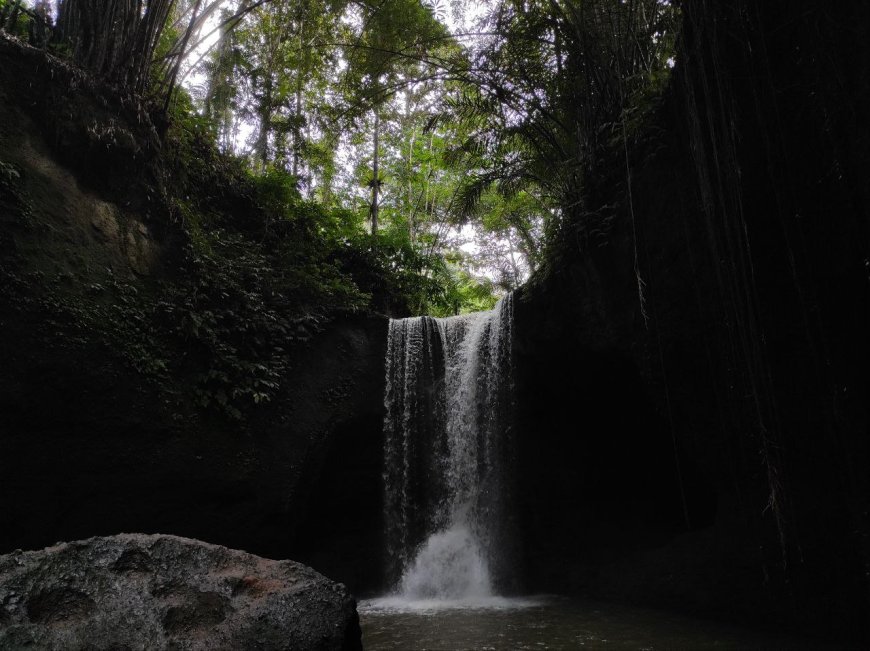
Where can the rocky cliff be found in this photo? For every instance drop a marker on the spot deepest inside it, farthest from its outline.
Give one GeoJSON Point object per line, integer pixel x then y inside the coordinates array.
{"type": "Point", "coordinates": [102, 425]}
{"type": "Point", "coordinates": [693, 364]}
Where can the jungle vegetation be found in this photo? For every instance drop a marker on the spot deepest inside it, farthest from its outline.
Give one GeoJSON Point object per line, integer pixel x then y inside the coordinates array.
{"type": "Point", "coordinates": [456, 135]}
{"type": "Point", "coordinates": [404, 156]}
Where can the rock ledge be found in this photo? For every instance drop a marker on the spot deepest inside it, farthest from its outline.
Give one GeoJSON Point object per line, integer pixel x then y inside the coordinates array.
{"type": "Point", "coordinates": [136, 591]}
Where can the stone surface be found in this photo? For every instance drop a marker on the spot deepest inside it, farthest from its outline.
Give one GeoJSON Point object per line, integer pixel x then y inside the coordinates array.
{"type": "Point", "coordinates": [709, 452]}
{"type": "Point", "coordinates": [136, 591]}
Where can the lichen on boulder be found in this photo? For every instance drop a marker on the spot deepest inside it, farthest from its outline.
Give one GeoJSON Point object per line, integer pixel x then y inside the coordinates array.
{"type": "Point", "coordinates": [136, 591]}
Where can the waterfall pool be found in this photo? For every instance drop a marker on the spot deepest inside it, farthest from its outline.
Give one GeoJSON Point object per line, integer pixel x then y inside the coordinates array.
{"type": "Point", "coordinates": [547, 622]}
{"type": "Point", "coordinates": [448, 494]}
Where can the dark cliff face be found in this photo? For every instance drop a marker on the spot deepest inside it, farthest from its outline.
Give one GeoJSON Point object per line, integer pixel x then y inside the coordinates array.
{"type": "Point", "coordinates": [713, 454]}
{"type": "Point", "coordinates": [87, 452]}
{"type": "Point", "coordinates": [92, 442]}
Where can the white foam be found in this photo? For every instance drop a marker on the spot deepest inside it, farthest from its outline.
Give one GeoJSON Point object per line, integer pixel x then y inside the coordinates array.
{"type": "Point", "coordinates": [397, 603]}
{"type": "Point", "coordinates": [449, 566]}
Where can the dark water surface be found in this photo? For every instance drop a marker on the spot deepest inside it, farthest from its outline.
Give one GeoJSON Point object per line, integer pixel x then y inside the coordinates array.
{"type": "Point", "coordinates": [548, 623]}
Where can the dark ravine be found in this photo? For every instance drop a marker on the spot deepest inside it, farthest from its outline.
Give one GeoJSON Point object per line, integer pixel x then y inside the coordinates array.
{"type": "Point", "coordinates": [710, 456]}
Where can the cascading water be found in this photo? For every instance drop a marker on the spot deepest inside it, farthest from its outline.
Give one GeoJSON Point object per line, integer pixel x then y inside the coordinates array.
{"type": "Point", "coordinates": [447, 449]}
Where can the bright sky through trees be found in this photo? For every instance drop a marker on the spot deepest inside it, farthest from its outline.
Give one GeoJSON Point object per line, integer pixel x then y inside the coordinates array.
{"type": "Point", "coordinates": [459, 132]}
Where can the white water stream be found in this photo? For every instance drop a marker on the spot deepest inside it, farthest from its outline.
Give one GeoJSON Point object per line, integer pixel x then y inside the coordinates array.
{"type": "Point", "coordinates": [448, 402]}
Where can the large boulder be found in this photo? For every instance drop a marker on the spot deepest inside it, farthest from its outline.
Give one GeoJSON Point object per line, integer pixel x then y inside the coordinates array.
{"type": "Point", "coordinates": [135, 591]}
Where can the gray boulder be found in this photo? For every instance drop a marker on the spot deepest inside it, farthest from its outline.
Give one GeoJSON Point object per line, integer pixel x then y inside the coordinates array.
{"type": "Point", "coordinates": [135, 591]}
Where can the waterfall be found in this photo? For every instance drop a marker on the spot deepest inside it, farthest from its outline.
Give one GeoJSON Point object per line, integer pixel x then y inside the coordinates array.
{"type": "Point", "coordinates": [446, 453]}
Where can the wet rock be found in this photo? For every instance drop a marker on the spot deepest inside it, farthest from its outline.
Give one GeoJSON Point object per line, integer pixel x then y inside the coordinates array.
{"type": "Point", "coordinates": [136, 591]}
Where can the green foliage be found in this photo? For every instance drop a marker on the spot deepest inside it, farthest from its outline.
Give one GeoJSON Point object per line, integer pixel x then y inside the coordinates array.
{"type": "Point", "coordinates": [493, 141]}
{"type": "Point", "coordinates": [261, 274]}
{"type": "Point", "coordinates": [276, 191]}
{"type": "Point", "coordinates": [390, 269]}
{"type": "Point", "coordinates": [468, 131]}
{"type": "Point", "coordinates": [402, 271]}
{"type": "Point", "coordinates": [72, 313]}
{"type": "Point", "coordinates": [396, 35]}
{"type": "Point", "coordinates": [462, 293]}
{"type": "Point", "coordinates": [16, 18]}
{"type": "Point", "coordinates": [405, 278]}
{"type": "Point", "coordinates": [230, 312]}
{"type": "Point", "coordinates": [559, 86]}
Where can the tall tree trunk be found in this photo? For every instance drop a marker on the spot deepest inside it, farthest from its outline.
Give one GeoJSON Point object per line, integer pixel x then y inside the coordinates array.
{"type": "Point", "coordinates": [376, 181]}
{"type": "Point", "coordinates": [301, 69]}
{"type": "Point", "coordinates": [218, 81]}
{"type": "Point", "coordinates": [429, 210]}
{"type": "Point", "coordinates": [262, 146]}
{"type": "Point", "coordinates": [182, 51]}
{"type": "Point", "coordinates": [114, 38]}
{"type": "Point", "coordinates": [412, 213]}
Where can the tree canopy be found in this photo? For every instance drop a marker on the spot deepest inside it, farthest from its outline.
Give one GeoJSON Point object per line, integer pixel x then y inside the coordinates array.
{"type": "Point", "coordinates": [449, 139]}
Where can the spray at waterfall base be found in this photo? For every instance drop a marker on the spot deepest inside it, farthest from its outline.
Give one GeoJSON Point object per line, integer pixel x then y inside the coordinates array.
{"type": "Point", "coordinates": [447, 456]}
